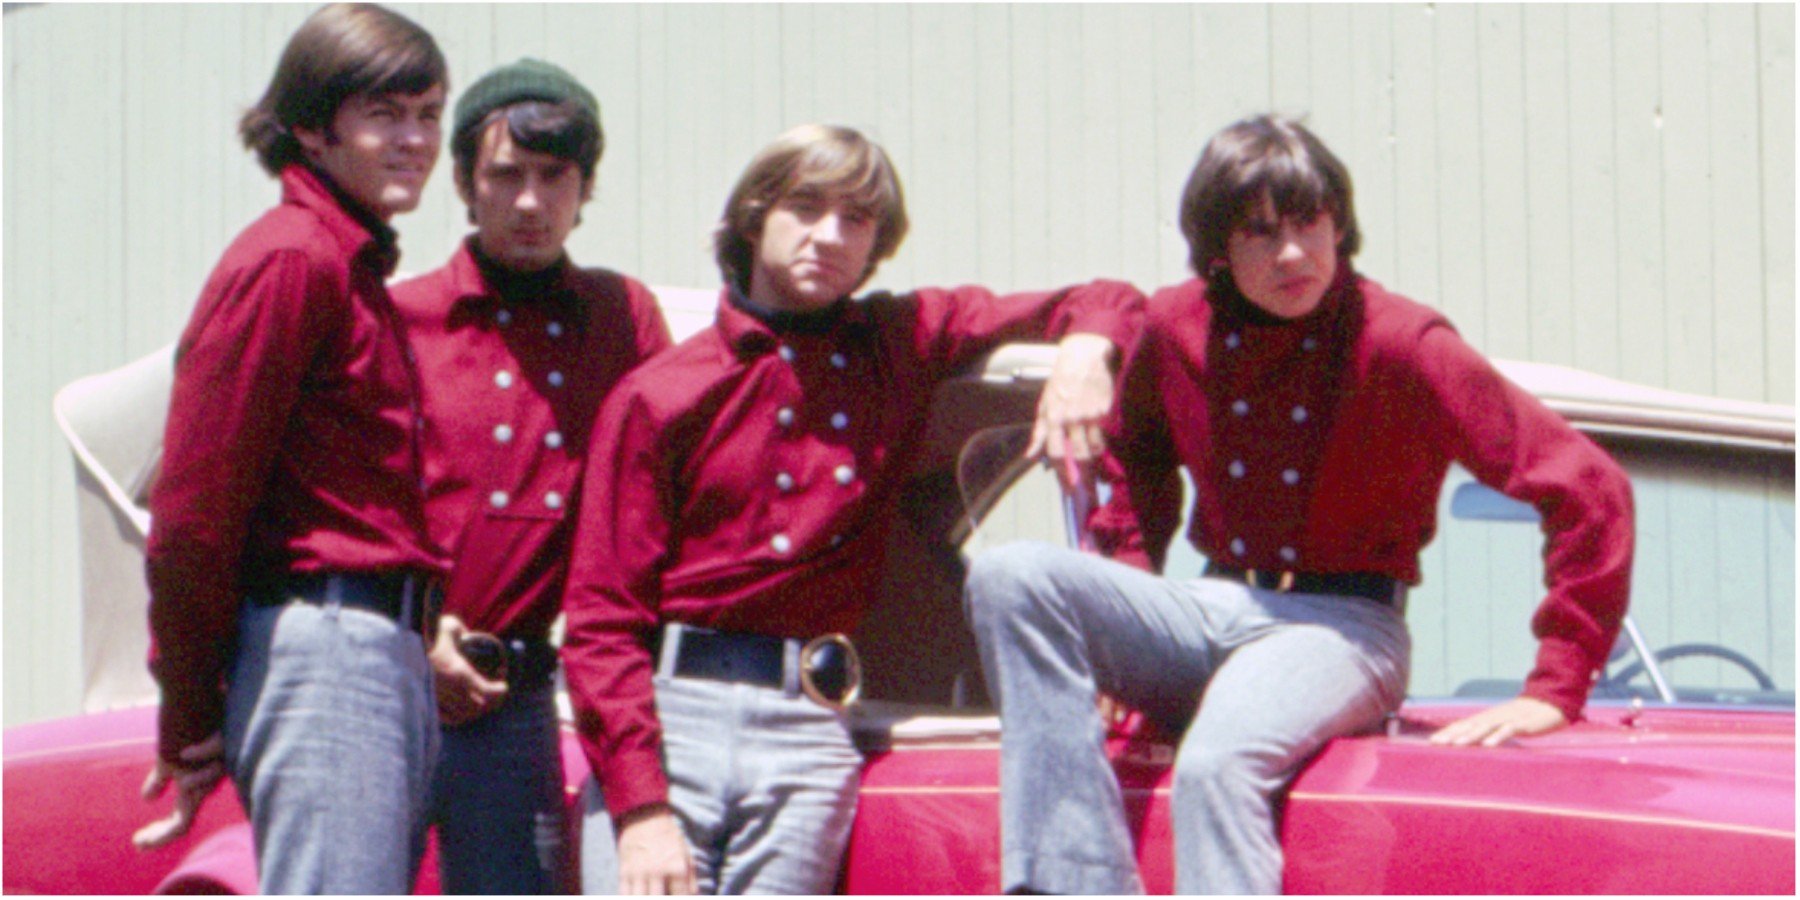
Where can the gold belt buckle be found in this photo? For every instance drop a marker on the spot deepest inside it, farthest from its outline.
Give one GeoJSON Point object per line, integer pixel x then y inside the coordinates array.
{"type": "Point", "coordinates": [852, 672]}
{"type": "Point", "coordinates": [1284, 584]}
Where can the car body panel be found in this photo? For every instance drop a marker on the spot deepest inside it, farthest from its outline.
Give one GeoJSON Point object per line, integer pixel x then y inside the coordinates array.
{"type": "Point", "coordinates": [1639, 798]}
{"type": "Point", "coordinates": [1595, 808]}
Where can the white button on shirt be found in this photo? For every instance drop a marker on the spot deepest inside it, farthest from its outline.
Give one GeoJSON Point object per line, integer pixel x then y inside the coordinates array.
{"type": "Point", "coordinates": [503, 433]}
{"type": "Point", "coordinates": [504, 317]}
{"type": "Point", "coordinates": [554, 329]}
{"type": "Point", "coordinates": [1288, 554]}
{"type": "Point", "coordinates": [556, 379]}
{"type": "Point", "coordinates": [1236, 468]}
{"type": "Point", "coordinates": [784, 417]}
{"type": "Point", "coordinates": [1299, 414]}
{"type": "Point", "coordinates": [503, 379]}
{"type": "Point", "coordinates": [780, 544]}
{"type": "Point", "coordinates": [784, 482]}
{"type": "Point", "coordinates": [553, 500]}
{"type": "Point", "coordinates": [840, 421]}
{"type": "Point", "coordinates": [498, 499]}
{"type": "Point", "coordinates": [1291, 476]}
{"type": "Point", "coordinates": [838, 361]}
{"type": "Point", "coordinates": [1240, 407]}
{"type": "Point", "coordinates": [1237, 546]}
{"type": "Point", "coordinates": [785, 352]}
{"type": "Point", "coordinates": [553, 440]}
{"type": "Point", "coordinates": [844, 475]}
{"type": "Point", "coordinates": [1232, 341]}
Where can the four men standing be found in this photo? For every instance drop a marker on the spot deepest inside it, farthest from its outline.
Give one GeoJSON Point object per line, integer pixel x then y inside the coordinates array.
{"type": "Point", "coordinates": [510, 429]}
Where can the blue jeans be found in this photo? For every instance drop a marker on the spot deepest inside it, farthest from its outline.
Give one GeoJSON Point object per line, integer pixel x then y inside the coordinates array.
{"type": "Point", "coordinates": [1280, 673]}
{"type": "Point", "coordinates": [330, 735]}
{"type": "Point", "coordinates": [497, 799]}
{"type": "Point", "coordinates": [763, 782]}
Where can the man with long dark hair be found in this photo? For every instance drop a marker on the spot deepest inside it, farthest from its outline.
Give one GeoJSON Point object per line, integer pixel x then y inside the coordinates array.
{"type": "Point", "coordinates": [291, 573]}
{"type": "Point", "coordinates": [1316, 414]}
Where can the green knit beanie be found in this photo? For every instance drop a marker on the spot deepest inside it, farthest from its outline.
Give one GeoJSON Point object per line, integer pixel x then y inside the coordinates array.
{"type": "Point", "coordinates": [527, 79]}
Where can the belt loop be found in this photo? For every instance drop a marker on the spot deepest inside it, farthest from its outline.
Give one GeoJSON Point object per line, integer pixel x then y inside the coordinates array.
{"type": "Point", "coordinates": [408, 598]}
{"type": "Point", "coordinates": [334, 592]}
{"type": "Point", "coordinates": [1399, 600]}
{"type": "Point", "coordinates": [671, 650]}
{"type": "Point", "coordinates": [790, 668]}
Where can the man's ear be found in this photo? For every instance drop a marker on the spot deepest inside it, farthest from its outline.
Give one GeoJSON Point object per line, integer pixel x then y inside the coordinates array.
{"type": "Point", "coordinates": [313, 141]}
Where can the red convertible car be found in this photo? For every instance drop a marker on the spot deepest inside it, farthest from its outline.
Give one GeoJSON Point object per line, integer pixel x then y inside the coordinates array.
{"type": "Point", "coordinates": [1680, 780]}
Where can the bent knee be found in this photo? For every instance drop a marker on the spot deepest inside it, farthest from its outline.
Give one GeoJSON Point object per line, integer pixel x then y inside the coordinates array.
{"type": "Point", "coordinates": [1211, 770]}
{"type": "Point", "coordinates": [1009, 580]}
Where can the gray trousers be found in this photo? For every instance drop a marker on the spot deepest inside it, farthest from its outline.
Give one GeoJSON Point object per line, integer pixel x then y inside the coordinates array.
{"type": "Point", "coordinates": [330, 737]}
{"type": "Point", "coordinates": [1259, 679]}
{"type": "Point", "coordinates": [763, 782]}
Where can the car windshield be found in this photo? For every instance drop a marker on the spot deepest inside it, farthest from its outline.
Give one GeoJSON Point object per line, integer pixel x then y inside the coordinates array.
{"type": "Point", "coordinates": [1712, 581]}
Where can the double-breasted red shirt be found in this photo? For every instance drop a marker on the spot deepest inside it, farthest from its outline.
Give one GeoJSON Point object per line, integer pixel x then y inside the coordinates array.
{"type": "Point", "coordinates": [292, 439]}
{"type": "Point", "coordinates": [513, 371]}
{"type": "Point", "coordinates": [743, 481]}
{"type": "Point", "coordinates": [1320, 444]}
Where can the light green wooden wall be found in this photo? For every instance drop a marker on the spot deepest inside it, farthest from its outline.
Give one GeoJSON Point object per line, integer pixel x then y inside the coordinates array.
{"type": "Point", "coordinates": [1609, 187]}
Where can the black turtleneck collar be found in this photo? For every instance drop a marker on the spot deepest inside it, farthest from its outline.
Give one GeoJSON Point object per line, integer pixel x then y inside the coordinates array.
{"type": "Point", "coordinates": [820, 321]}
{"type": "Point", "coordinates": [513, 285]}
{"type": "Point", "coordinates": [385, 236]}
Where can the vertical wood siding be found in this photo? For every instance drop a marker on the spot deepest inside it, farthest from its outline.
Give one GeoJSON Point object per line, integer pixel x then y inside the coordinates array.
{"type": "Point", "coordinates": [1609, 187]}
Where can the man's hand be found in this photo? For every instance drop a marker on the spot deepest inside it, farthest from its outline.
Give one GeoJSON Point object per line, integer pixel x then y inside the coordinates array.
{"type": "Point", "coordinates": [1518, 717]}
{"type": "Point", "coordinates": [1074, 403]}
{"type": "Point", "coordinates": [463, 694]}
{"type": "Point", "coordinates": [199, 770]}
{"type": "Point", "coordinates": [653, 854]}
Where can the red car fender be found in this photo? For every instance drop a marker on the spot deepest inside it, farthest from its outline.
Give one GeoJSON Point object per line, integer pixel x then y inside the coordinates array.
{"type": "Point", "coordinates": [223, 863]}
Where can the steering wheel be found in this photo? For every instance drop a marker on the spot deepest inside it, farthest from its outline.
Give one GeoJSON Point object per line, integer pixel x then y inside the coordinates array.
{"type": "Point", "coordinates": [1682, 651]}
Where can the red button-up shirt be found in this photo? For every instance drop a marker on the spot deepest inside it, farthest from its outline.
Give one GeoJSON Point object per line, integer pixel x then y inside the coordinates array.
{"type": "Point", "coordinates": [743, 481]}
{"type": "Point", "coordinates": [511, 385]}
{"type": "Point", "coordinates": [1321, 444]}
{"type": "Point", "coordinates": [290, 444]}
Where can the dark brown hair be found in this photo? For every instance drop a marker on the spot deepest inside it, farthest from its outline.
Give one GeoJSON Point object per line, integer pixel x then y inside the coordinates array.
{"type": "Point", "coordinates": [824, 159]}
{"type": "Point", "coordinates": [564, 130]}
{"type": "Point", "coordinates": [1265, 154]}
{"type": "Point", "coordinates": [342, 50]}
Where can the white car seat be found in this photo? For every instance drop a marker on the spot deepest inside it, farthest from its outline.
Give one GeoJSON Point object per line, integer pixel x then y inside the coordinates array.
{"type": "Point", "coordinates": [113, 422]}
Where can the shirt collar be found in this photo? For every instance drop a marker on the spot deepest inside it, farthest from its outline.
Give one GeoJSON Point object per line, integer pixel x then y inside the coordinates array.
{"type": "Point", "coordinates": [356, 229]}
{"type": "Point", "coordinates": [470, 280]}
{"type": "Point", "coordinates": [753, 332]}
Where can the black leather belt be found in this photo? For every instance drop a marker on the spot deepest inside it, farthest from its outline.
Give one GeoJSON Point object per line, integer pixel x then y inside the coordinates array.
{"type": "Point", "coordinates": [828, 670]}
{"type": "Point", "coordinates": [410, 598]}
{"type": "Point", "coordinates": [528, 661]}
{"type": "Point", "coordinates": [1379, 588]}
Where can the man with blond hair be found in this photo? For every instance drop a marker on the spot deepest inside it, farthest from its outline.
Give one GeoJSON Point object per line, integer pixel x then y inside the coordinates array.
{"type": "Point", "coordinates": [734, 514]}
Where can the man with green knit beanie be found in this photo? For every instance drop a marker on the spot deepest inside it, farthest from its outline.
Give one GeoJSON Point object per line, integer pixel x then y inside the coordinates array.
{"type": "Point", "coordinates": [516, 347]}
